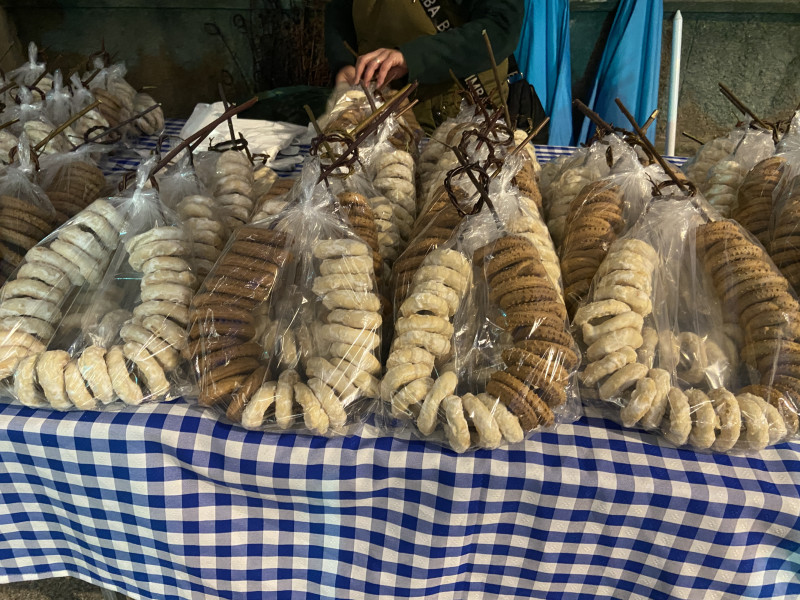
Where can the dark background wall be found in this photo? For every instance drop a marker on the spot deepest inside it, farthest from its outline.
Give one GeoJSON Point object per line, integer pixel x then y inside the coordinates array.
{"type": "Point", "coordinates": [752, 46]}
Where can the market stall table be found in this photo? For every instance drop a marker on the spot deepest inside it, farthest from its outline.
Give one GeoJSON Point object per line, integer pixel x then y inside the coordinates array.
{"type": "Point", "coordinates": [167, 502]}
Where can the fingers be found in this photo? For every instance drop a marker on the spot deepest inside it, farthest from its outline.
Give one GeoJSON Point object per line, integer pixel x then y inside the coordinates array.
{"type": "Point", "coordinates": [363, 63]}
{"type": "Point", "coordinates": [386, 66]}
{"type": "Point", "coordinates": [346, 74]}
{"type": "Point", "coordinates": [367, 65]}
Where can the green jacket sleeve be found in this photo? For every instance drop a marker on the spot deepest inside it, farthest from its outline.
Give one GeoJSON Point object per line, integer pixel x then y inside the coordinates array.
{"type": "Point", "coordinates": [339, 29]}
{"type": "Point", "coordinates": [462, 48]}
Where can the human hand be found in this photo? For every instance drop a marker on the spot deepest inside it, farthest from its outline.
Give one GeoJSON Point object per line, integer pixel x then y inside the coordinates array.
{"type": "Point", "coordinates": [383, 65]}
{"type": "Point", "coordinates": [346, 75]}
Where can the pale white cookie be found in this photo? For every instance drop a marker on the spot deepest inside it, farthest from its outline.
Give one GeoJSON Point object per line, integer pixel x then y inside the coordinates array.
{"type": "Point", "coordinates": [679, 420]}
{"type": "Point", "coordinates": [154, 378]}
{"type": "Point", "coordinates": [610, 363]}
{"type": "Point", "coordinates": [329, 401]}
{"type": "Point", "coordinates": [507, 422]}
{"type": "Point", "coordinates": [755, 434]}
{"type": "Point", "coordinates": [445, 385]}
{"type": "Point", "coordinates": [256, 408]}
{"type": "Point", "coordinates": [25, 383]}
{"type": "Point", "coordinates": [76, 388]}
{"type": "Point", "coordinates": [489, 435]}
{"type": "Point", "coordinates": [339, 248]}
{"type": "Point", "coordinates": [620, 381]}
{"type": "Point", "coordinates": [640, 402]}
{"type": "Point", "coordinates": [284, 398]}
{"type": "Point", "coordinates": [455, 425]}
{"type": "Point", "coordinates": [94, 370]}
{"type": "Point", "coordinates": [652, 419]}
{"type": "Point", "coordinates": [314, 415]}
{"type": "Point", "coordinates": [705, 421]}
{"type": "Point", "coordinates": [351, 300]}
{"type": "Point", "coordinates": [729, 416]}
{"type": "Point", "coordinates": [50, 375]}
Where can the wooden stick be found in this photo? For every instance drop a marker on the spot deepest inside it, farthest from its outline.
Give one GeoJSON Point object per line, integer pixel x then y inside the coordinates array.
{"type": "Point", "coordinates": [405, 109]}
{"type": "Point", "coordinates": [7, 50]}
{"type": "Point", "coordinates": [9, 124]}
{"type": "Point", "coordinates": [530, 136]}
{"type": "Point", "coordinates": [318, 129]}
{"type": "Point", "coordinates": [9, 86]}
{"type": "Point", "coordinates": [202, 133]}
{"type": "Point", "coordinates": [593, 116]}
{"type": "Point", "coordinates": [368, 95]}
{"type": "Point", "coordinates": [650, 120]}
{"type": "Point", "coordinates": [350, 49]}
{"type": "Point", "coordinates": [691, 137]}
{"type": "Point", "coordinates": [119, 126]}
{"type": "Point", "coordinates": [226, 106]}
{"type": "Point", "coordinates": [741, 105]}
{"type": "Point", "coordinates": [388, 106]}
{"type": "Point", "coordinates": [64, 125]}
{"type": "Point", "coordinates": [497, 81]}
{"type": "Point", "coordinates": [649, 145]}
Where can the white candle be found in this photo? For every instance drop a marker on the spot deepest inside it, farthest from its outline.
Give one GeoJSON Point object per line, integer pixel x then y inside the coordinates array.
{"type": "Point", "coordinates": [674, 79]}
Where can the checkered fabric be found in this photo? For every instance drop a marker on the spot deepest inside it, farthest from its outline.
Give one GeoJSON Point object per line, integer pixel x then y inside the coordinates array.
{"type": "Point", "coordinates": [166, 502]}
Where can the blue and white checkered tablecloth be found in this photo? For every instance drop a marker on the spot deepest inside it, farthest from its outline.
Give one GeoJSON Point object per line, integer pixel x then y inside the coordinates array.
{"type": "Point", "coordinates": [165, 502]}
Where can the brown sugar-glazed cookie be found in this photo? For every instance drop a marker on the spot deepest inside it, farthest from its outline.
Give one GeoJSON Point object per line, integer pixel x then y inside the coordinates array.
{"type": "Point", "coordinates": [22, 226]}
{"type": "Point", "coordinates": [222, 324]}
{"type": "Point", "coordinates": [537, 366]}
{"type": "Point", "coordinates": [784, 245]}
{"type": "Point", "coordinates": [594, 221]}
{"type": "Point", "coordinates": [754, 202]}
{"type": "Point", "coordinates": [767, 313]}
{"type": "Point", "coordinates": [362, 219]}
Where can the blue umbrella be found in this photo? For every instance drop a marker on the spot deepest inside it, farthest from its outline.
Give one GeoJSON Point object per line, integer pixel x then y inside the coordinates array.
{"type": "Point", "coordinates": [543, 56]}
{"type": "Point", "coordinates": [630, 66]}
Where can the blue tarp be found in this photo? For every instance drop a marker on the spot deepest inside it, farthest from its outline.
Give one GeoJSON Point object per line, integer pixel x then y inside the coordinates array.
{"type": "Point", "coordinates": [543, 56]}
{"type": "Point", "coordinates": [630, 66]}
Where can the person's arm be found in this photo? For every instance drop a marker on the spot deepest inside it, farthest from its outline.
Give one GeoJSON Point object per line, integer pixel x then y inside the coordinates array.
{"type": "Point", "coordinates": [462, 49]}
{"type": "Point", "coordinates": [339, 29]}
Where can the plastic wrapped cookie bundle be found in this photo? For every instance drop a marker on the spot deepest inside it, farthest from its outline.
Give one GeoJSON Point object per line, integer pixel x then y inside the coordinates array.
{"type": "Point", "coordinates": [286, 327]}
{"type": "Point", "coordinates": [199, 212]}
{"type": "Point", "coordinates": [712, 152]}
{"type": "Point", "coordinates": [610, 325]}
{"type": "Point", "coordinates": [347, 107]}
{"type": "Point", "coordinates": [583, 167]}
{"type": "Point", "coordinates": [26, 214]}
{"type": "Point", "coordinates": [527, 177]}
{"type": "Point", "coordinates": [58, 103]}
{"type": "Point", "coordinates": [70, 261]}
{"type": "Point", "coordinates": [722, 180]}
{"type": "Point", "coordinates": [393, 176]}
{"type": "Point", "coordinates": [759, 297]}
{"type": "Point", "coordinates": [596, 217]}
{"type": "Point", "coordinates": [28, 73]}
{"type": "Point", "coordinates": [784, 237]}
{"type": "Point", "coordinates": [481, 352]}
{"type": "Point", "coordinates": [681, 375]}
{"type": "Point", "coordinates": [152, 122]}
{"type": "Point", "coordinates": [129, 272]}
{"type": "Point", "coordinates": [71, 181]}
{"type": "Point", "coordinates": [273, 200]}
{"type": "Point", "coordinates": [35, 125]}
{"type": "Point", "coordinates": [116, 95]}
{"type": "Point", "coordinates": [233, 187]}
{"type": "Point", "coordinates": [90, 122]}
